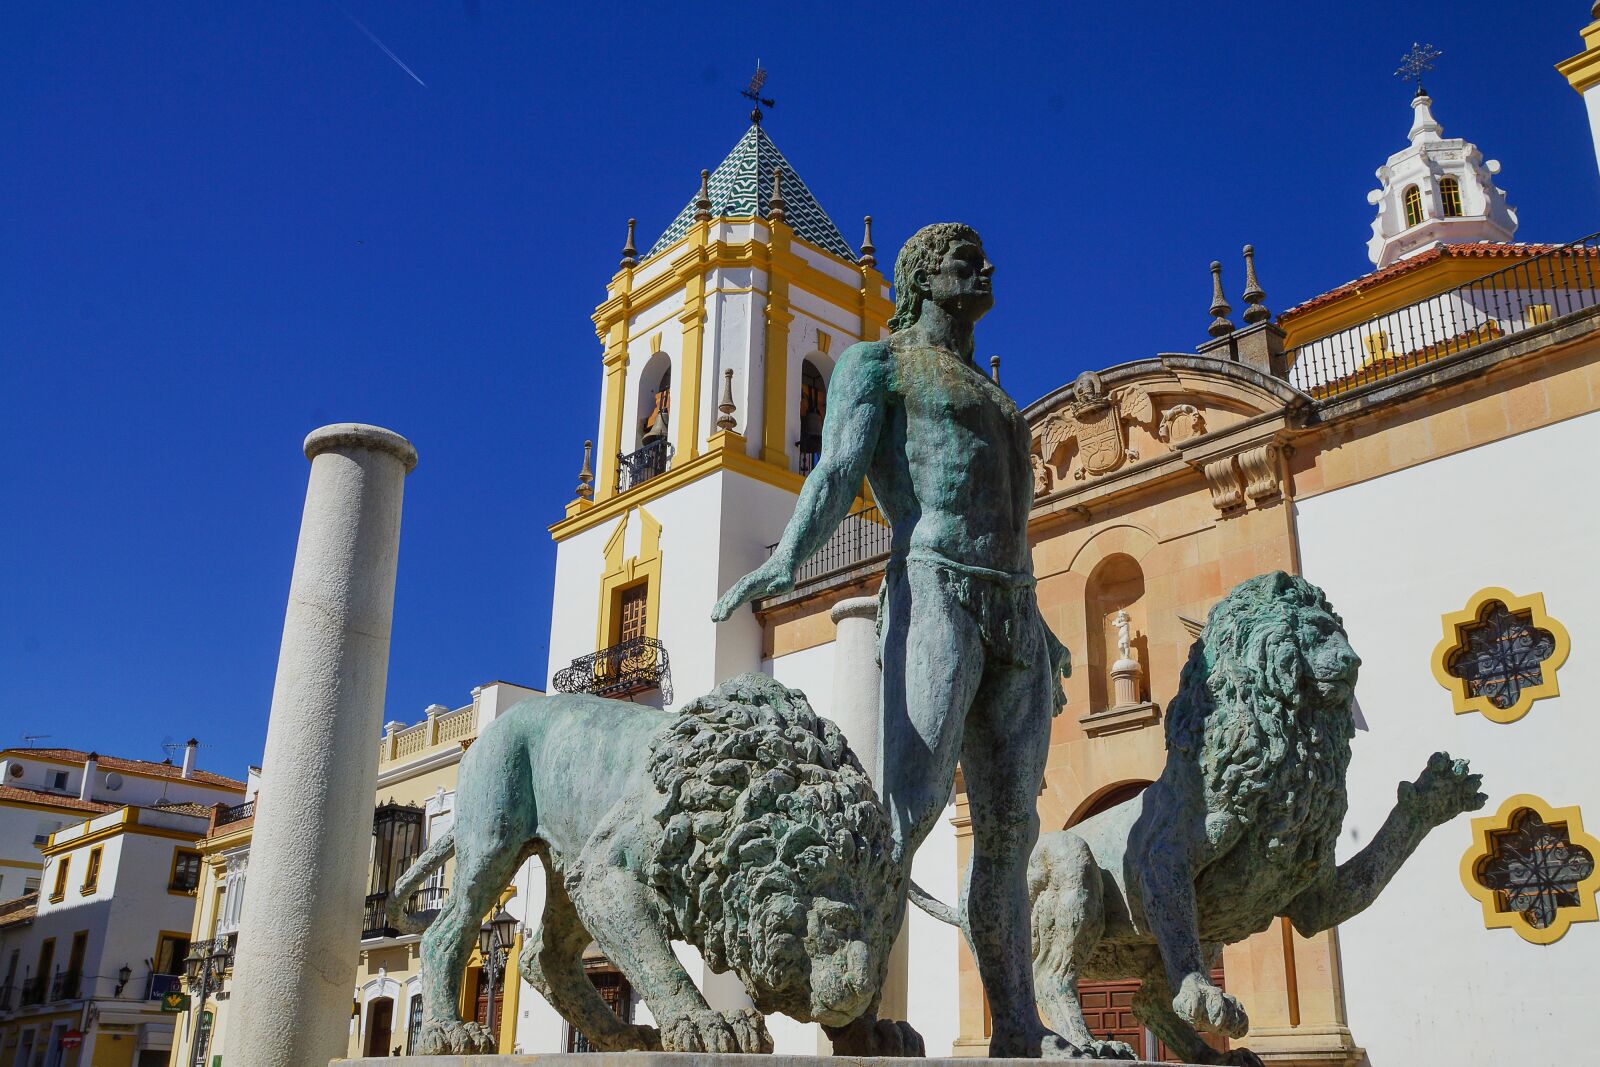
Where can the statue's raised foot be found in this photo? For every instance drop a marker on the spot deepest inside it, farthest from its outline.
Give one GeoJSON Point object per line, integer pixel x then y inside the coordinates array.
{"type": "Point", "coordinates": [453, 1036]}
{"type": "Point", "coordinates": [1107, 1050]}
{"type": "Point", "coordinates": [714, 1031]}
{"type": "Point", "coordinates": [1034, 1044]}
{"type": "Point", "coordinates": [867, 1036]}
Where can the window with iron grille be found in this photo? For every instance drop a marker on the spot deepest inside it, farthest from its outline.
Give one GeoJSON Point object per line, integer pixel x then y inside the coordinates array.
{"type": "Point", "coordinates": [1412, 198]}
{"type": "Point", "coordinates": [1450, 195]}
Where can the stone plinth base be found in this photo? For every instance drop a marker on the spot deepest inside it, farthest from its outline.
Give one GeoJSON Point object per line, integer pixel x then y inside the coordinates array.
{"type": "Point", "coordinates": [690, 1059]}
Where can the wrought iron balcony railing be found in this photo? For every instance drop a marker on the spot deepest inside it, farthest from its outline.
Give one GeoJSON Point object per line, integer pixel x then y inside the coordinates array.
{"type": "Point", "coordinates": [1507, 302]}
{"type": "Point", "coordinates": [34, 989]}
{"type": "Point", "coordinates": [634, 666]}
{"type": "Point", "coordinates": [65, 985]}
{"type": "Point", "coordinates": [8, 993]}
{"type": "Point", "coordinates": [863, 537]}
{"type": "Point", "coordinates": [424, 904]}
{"type": "Point", "coordinates": [642, 464]}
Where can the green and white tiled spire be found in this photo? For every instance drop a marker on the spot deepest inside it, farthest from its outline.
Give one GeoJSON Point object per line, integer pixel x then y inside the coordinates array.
{"type": "Point", "coordinates": [742, 186]}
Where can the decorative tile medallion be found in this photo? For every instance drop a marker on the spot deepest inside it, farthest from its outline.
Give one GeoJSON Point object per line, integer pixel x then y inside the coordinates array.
{"type": "Point", "coordinates": [1500, 654]}
{"type": "Point", "coordinates": [1533, 869]}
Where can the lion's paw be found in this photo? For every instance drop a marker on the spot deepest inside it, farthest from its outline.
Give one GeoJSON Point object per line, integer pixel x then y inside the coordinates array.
{"type": "Point", "coordinates": [452, 1036]}
{"type": "Point", "coordinates": [749, 1030]}
{"type": "Point", "coordinates": [867, 1036]}
{"type": "Point", "coordinates": [1108, 1050]}
{"type": "Point", "coordinates": [1209, 1008]}
{"type": "Point", "coordinates": [1444, 789]}
{"type": "Point", "coordinates": [1234, 1057]}
{"type": "Point", "coordinates": [699, 1031]}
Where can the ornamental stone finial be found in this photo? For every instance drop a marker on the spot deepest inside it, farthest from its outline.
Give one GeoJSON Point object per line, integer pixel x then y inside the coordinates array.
{"type": "Point", "coordinates": [725, 420]}
{"type": "Point", "coordinates": [630, 254]}
{"type": "Point", "coordinates": [702, 202]}
{"type": "Point", "coordinates": [869, 252]}
{"type": "Point", "coordinates": [1220, 326]}
{"type": "Point", "coordinates": [586, 475]}
{"type": "Point", "coordinates": [776, 206]}
{"type": "Point", "coordinates": [1255, 297]}
{"type": "Point", "coordinates": [994, 369]}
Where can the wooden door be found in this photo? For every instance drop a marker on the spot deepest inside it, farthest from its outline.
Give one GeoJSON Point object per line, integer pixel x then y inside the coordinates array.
{"type": "Point", "coordinates": [631, 612]}
{"type": "Point", "coordinates": [380, 1026]}
{"type": "Point", "coordinates": [1108, 1009]}
{"type": "Point", "coordinates": [488, 1015]}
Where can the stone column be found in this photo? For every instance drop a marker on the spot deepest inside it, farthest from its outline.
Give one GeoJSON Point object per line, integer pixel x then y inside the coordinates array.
{"type": "Point", "coordinates": [858, 680]}
{"type": "Point", "coordinates": [296, 962]}
{"type": "Point", "coordinates": [857, 694]}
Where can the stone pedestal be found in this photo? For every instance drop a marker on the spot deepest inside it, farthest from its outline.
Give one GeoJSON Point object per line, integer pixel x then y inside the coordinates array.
{"type": "Point", "coordinates": [1127, 711]}
{"type": "Point", "coordinates": [298, 942]}
{"type": "Point", "coordinates": [1125, 683]}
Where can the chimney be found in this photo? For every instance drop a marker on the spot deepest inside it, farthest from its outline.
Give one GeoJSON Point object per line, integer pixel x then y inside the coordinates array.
{"type": "Point", "coordinates": [188, 757]}
{"type": "Point", "coordinates": [91, 766]}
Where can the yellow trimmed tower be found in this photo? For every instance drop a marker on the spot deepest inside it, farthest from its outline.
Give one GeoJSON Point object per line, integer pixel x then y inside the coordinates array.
{"type": "Point", "coordinates": [717, 346]}
{"type": "Point", "coordinates": [1582, 72]}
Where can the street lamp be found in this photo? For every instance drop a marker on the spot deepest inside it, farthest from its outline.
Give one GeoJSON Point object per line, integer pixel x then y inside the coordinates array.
{"type": "Point", "coordinates": [204, 967]}
{"type": "Point", "coordinates": [494, 943]}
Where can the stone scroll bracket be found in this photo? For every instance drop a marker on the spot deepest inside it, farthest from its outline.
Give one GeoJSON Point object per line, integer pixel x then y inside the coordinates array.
{"type": "Point", "coordinates": [1251, 476]}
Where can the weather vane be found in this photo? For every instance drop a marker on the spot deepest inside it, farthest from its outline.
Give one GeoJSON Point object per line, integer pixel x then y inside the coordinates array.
{"type": "Point", "coordinates": [1416, 63]}
{"type": "Point", "coordinates": [757, 80]}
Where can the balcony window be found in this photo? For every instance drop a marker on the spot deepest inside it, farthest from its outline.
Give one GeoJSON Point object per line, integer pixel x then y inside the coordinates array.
{"type": "Point", "coordinates": [396, 844]}
{"type": "Point", "coordinates": [185, 877]}
{"type": "Point", "coordinates": [813, 409]}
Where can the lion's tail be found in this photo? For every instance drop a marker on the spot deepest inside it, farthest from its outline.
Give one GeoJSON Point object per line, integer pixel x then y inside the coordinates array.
{"type": "Point", "coordinates": [431, 860]}
{"type": "Point", "coordinates": [933, 905]}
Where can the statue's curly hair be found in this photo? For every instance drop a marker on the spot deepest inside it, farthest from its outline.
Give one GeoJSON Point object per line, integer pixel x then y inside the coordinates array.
{"type": "Point", "coordinates": [923, 251]}
{"type": "Point", "coordinates": [1248, 711]}
{"type": "Point", "coordinates": [764, 809]}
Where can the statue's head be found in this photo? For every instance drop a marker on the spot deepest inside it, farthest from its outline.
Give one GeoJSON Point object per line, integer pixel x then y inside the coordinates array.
{"type": "Point", "coordinates": [943, 263]}
{"type": "Point", "coordinates": [776, 856]}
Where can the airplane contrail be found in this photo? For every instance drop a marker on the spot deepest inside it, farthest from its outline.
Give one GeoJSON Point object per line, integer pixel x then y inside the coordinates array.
{"type": "Point", "coordinates": [386, 51]}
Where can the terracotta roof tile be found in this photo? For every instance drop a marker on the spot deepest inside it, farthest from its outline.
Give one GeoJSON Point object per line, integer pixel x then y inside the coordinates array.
{"type": "Point", "coordinates": [132, 766]}
{"type": "Point", "coordinates": [1486, 250]}
{"type": "Point", "coordinates": [55, 800]}
{"type": "Point", "coordinates": [19, 911]}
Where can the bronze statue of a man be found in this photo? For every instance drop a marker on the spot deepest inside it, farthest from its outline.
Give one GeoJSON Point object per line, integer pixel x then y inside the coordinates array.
{"type": "Point", "coordinates": [968, 667]}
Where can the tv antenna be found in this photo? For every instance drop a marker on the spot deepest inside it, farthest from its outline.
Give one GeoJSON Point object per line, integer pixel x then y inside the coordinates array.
{"type": "Point", "coordinates": [1417, 62]}
{"type": "Point", "coordinates": [757, 80]}
{"type": "Point", "coordinates": [29, 739]}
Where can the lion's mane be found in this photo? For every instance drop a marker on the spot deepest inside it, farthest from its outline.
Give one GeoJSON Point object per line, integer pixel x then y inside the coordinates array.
{"type": "Point", "coordinates": [765, 808]}
{"type": "Point", "coordinates": [1249, 714]}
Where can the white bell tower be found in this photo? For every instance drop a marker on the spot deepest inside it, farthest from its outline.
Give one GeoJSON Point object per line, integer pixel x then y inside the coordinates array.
{"type": "Point", "coordinates": [1437, 190]}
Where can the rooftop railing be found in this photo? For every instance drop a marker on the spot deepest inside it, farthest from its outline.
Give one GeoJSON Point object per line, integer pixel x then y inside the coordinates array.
{"type": "Point", "coordinates": [237, 813]}
{"type": "Point", "coordinates": [863, 537]}
{"type": "Point", "coordinates": [1502, 304]}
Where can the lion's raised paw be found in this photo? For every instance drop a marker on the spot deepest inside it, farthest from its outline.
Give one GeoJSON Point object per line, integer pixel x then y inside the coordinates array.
{"type": "Point", "coordinates": [444, 1038]}
{"type": "Point", "coordinates": [1203, 1005]}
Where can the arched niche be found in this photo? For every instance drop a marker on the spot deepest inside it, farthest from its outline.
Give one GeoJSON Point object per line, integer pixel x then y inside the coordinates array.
{"type": "Point", "coordinates": [1106, 798]}
{"type": "Point", "coordinates": [1116, 584]}
{"type": "Point", "coordinates": [653, 405]}
{"type": "Point", "coordinates": [811, 406]}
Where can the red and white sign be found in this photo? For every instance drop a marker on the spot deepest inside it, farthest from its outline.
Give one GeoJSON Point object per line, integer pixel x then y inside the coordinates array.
{"type": "Point", "coordinates": [72, 1039]}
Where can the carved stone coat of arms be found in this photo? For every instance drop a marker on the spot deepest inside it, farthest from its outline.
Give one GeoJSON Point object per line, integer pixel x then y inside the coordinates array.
{"type": "Point", "coordinates": [1094, 420]}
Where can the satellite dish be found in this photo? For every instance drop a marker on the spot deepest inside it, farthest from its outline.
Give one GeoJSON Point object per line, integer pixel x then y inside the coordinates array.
{"type": "Point", "coordinates": [16, 770]}
{"type": "Point", "coordinates": [113, 781]}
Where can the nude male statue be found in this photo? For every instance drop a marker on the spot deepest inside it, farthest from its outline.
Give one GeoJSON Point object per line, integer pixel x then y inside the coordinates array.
{"type": "Point", "coordinates": [968, 664]}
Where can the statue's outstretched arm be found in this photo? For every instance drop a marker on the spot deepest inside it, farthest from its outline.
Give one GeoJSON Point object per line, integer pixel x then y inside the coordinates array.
{"type": "Point", "coordinates": [1444, 790]}
{"type": "Point", "coordinates": [857, 395]}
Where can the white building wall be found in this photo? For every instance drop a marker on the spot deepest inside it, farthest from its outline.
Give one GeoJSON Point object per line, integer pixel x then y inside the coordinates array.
{"type": "Point", "coordinates": [1424, 981]}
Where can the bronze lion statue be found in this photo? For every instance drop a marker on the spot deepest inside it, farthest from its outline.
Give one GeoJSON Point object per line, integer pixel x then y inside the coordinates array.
{"type": "Point", "coordinates": [1239, 829]}
{"type": "Point", "coordinates": [742, 825]}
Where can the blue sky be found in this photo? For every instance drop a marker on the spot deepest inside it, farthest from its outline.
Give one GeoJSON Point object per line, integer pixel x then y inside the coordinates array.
{"type": "Point", "coordinates": [226, 224]}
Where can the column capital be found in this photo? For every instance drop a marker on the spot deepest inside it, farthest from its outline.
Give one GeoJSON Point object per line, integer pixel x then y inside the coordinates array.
{"type": "Point", "coordinates": [360, 435]}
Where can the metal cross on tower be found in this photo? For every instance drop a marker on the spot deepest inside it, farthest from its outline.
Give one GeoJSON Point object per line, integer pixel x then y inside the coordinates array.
{"type": "Point", "coordinates": [757, 80]}
{"type": "Point", "coordinates": [1417, 62]}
